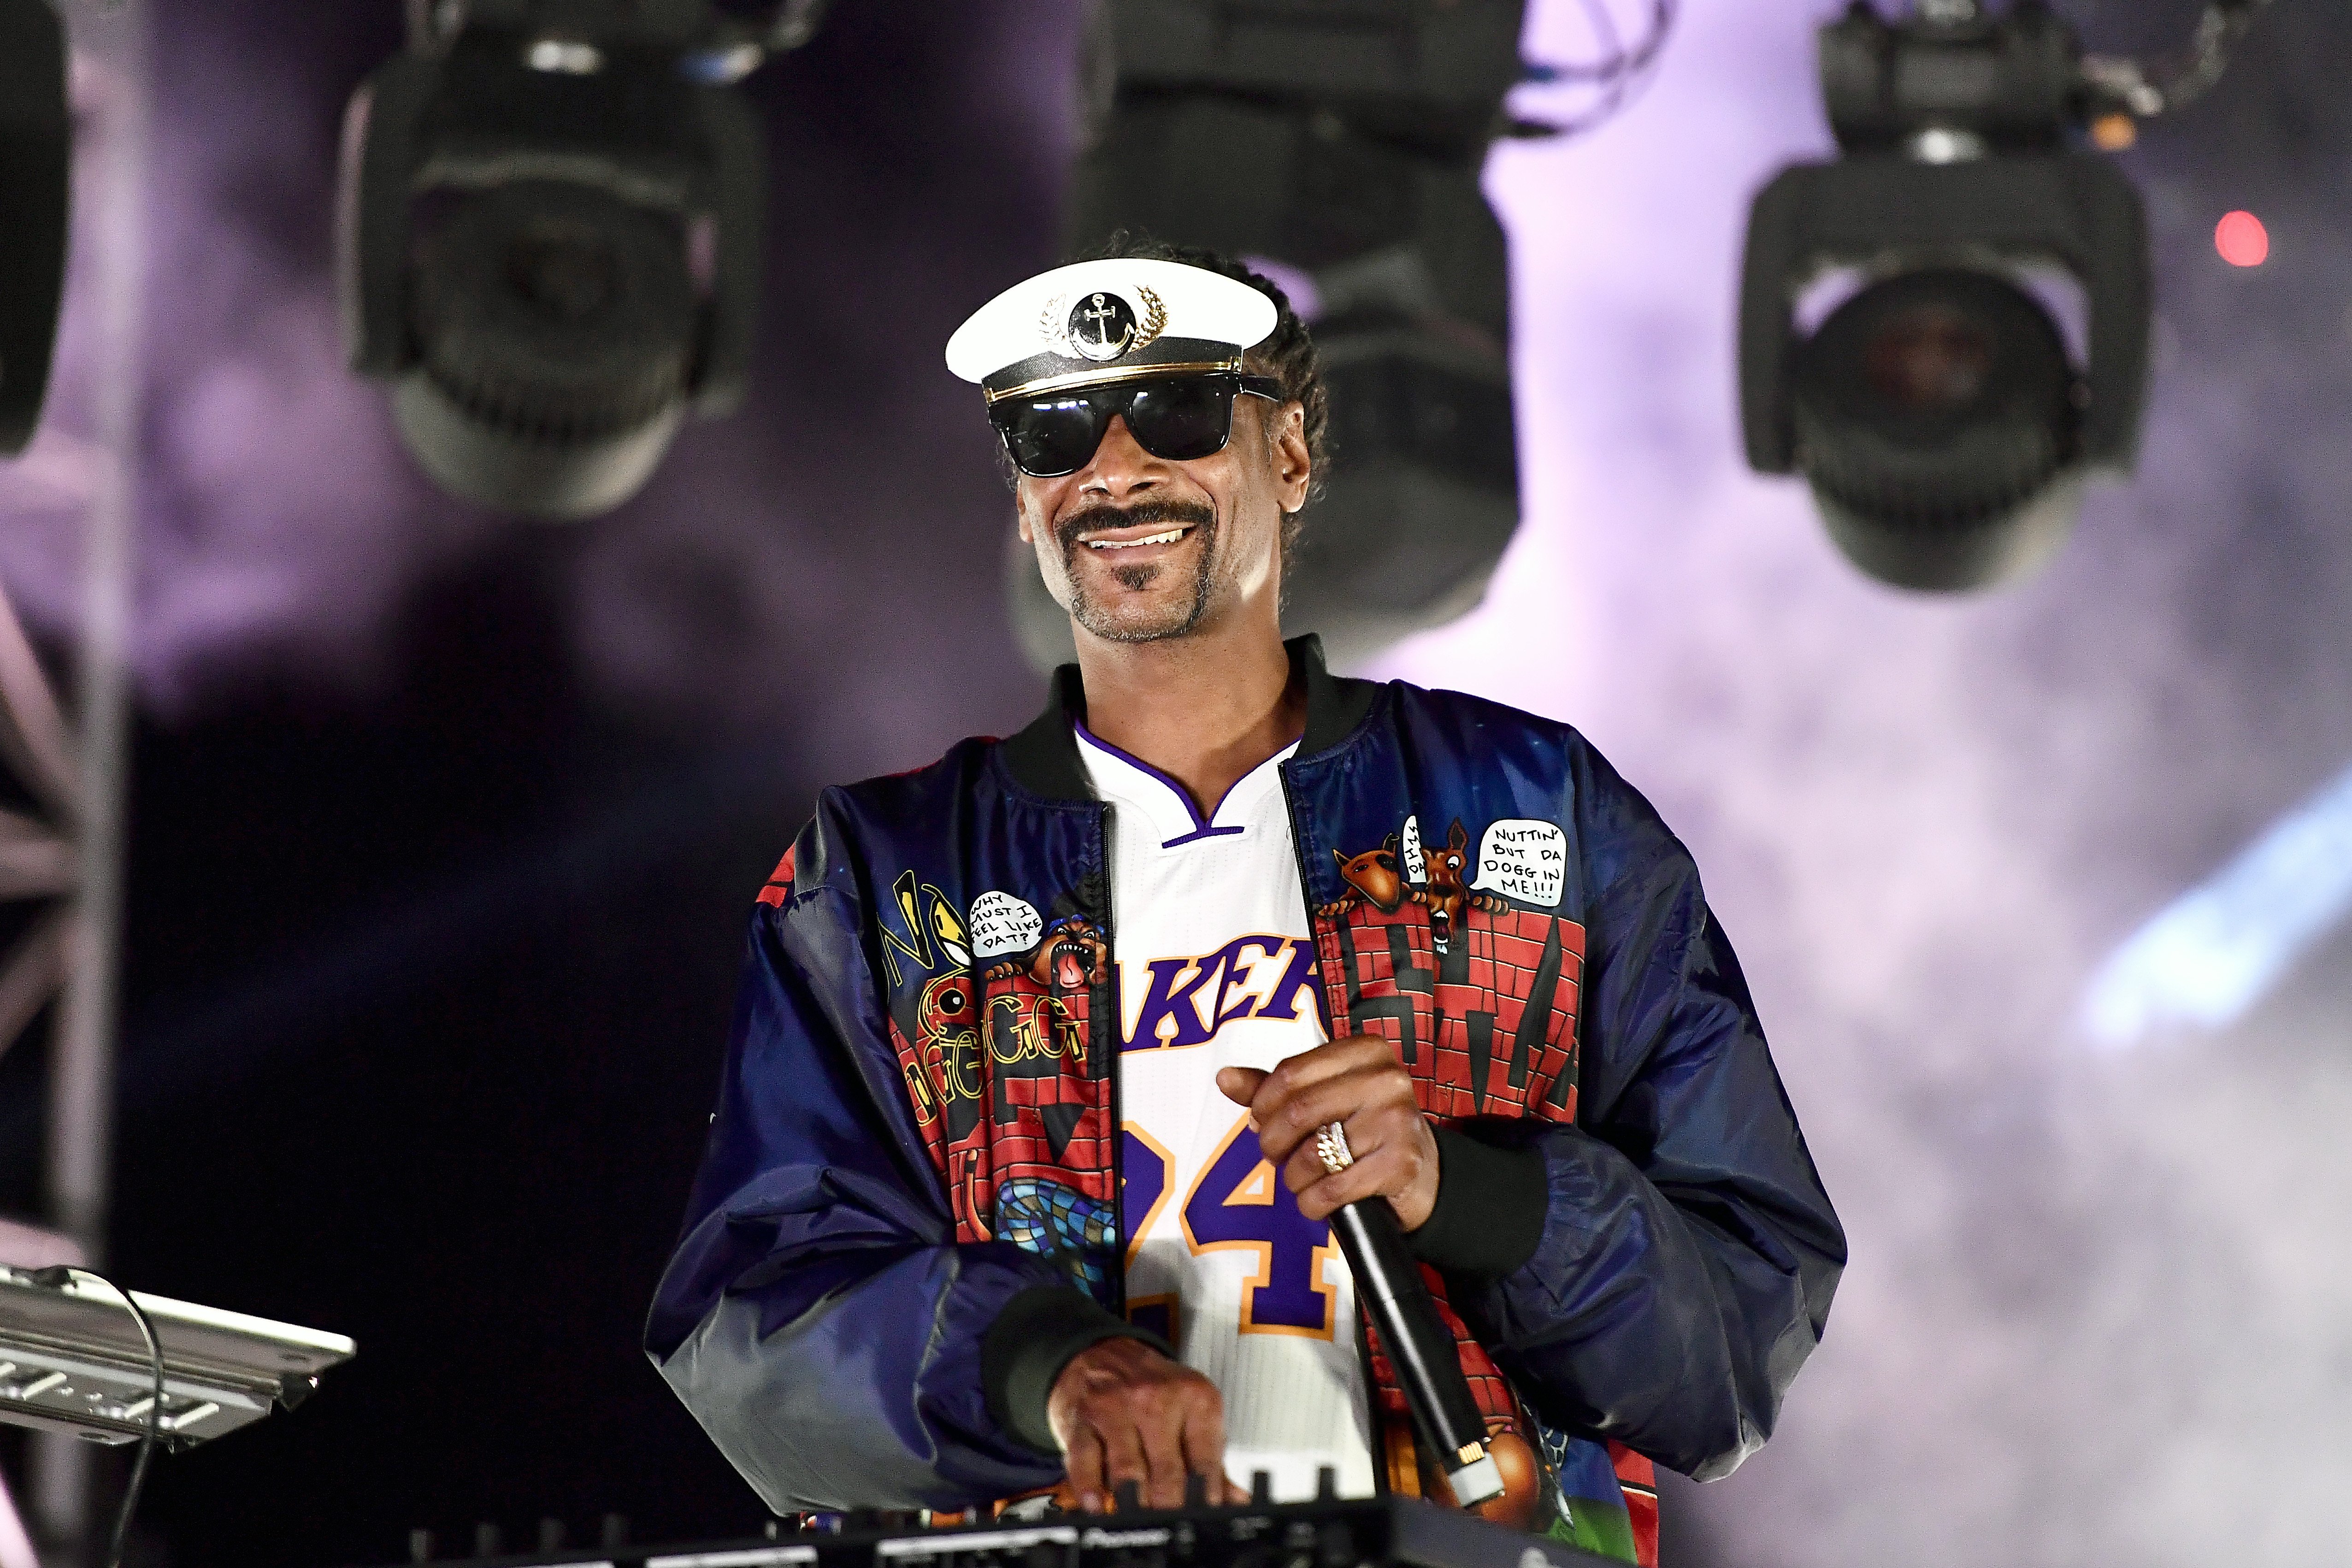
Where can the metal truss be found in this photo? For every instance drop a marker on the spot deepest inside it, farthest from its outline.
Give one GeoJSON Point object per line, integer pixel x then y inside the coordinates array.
{"type": "Point", "coordinates": [63, 855]}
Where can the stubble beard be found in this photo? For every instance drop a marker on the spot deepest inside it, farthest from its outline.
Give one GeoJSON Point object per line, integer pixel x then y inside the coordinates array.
{"type": "Point", "coordinates": [1179, 619]}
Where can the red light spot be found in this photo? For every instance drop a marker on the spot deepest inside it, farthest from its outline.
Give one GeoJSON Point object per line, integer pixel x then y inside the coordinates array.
{"type": "Point", "coordinates": [2242, 240]}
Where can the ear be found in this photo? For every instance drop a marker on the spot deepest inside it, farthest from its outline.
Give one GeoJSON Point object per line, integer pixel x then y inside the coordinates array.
{"type": "Point", "coordinates": [1294, 468]}
{"type": "Point", "coordinates": [1458, 839]}
{"type": "Point", "coordinates": [1391, 846]}
{"type": "Point", "coordinates": [1339, 858]}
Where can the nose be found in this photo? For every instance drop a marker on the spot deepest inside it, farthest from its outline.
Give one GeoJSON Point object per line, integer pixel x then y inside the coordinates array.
{"type": "Point", "coordinates": [1120, 467]}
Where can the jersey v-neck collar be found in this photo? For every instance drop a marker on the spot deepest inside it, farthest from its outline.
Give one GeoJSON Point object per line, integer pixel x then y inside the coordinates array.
{"type": "Point", "coordinates": [1128, 780]}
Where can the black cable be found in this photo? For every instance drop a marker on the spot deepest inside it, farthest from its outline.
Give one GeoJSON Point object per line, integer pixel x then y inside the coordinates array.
{"type": "Point", "coordinates": [2162, 87]}
{"type": "Point", "coordinates": [2217, 32]}
{"type": "Point", "coordinates": [1611, 65]}
{"type": "Point", "coordinates": [1617, 72]}
{"type": "Point", "coordinates": [56, 1278]}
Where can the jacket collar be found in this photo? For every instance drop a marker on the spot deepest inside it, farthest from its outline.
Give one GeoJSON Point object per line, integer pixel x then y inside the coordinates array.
{"type": "Point", "coordinates": [1044, 758]}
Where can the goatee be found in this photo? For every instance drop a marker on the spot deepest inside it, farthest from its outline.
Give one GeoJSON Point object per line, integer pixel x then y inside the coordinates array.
{"type": "Point", "coordinates": [1135, 579]}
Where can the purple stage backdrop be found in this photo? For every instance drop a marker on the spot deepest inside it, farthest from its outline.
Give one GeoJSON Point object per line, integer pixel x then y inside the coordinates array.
{"type": "Point", "coordinates": [2100, 1308]}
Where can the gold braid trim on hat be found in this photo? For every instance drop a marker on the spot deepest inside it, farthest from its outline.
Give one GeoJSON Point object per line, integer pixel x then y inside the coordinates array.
{"type": "Point", "coordinates": [1154, 322]}
{"type": "Point", "coordinates": [1112, 377]}
{"type": "Point", "coordinates": [1050, 319]}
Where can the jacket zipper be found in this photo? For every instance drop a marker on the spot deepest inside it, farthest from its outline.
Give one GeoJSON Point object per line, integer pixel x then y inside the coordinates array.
{"type": "Point", "coordinates": [1113, 1071]}
{"type": "Point", "coordinates": [1299, 856]}
{"type": "Point", "coordinates": [1376, 1438]}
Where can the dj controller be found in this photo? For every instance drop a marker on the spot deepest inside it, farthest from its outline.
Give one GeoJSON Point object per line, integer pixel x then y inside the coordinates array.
{"type": "Point", "coordinates": [1372, 1532]}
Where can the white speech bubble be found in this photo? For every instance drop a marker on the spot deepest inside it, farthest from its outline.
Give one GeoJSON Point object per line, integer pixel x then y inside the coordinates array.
{"type": "Point", "coordinates": [1001, 924]}
{"type": "Point", "coordinates": [1416, 869]}
{"type": "Point", "coordinates": [1524, 860]}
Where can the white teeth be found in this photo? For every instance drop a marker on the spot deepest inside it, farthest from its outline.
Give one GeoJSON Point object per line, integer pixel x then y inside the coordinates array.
{"type": "Point", "coordinates": [1171, 537]}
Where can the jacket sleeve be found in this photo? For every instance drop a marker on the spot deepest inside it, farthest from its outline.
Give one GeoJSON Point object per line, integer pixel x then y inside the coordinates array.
{"type": "Point", "coordinates": [1687, 1252]}
{"type": "Point", "coordinates": [818, 1317]}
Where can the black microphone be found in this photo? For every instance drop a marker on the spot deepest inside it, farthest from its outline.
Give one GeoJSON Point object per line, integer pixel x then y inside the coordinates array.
{"type": "Point", "coordinates": [1419, 1346]}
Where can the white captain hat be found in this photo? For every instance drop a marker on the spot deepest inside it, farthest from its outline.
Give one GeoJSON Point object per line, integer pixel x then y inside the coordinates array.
{"type": "Point", "coordinates": [1102, 321]}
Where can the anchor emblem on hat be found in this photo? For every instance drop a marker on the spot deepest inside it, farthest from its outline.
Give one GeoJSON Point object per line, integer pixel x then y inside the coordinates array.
{"type": "Point", "coordinates": [1103, 326]}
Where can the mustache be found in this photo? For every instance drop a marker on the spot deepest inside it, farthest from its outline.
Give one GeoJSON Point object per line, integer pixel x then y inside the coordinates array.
{"type": "Point", "coordinates": [1190, 513]}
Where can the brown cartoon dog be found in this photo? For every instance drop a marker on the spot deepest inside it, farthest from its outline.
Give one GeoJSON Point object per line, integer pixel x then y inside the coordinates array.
{"type": "Point", "coordinates": [1376, 878]}
{"type": "Point", "coordinates": [1445, 895]}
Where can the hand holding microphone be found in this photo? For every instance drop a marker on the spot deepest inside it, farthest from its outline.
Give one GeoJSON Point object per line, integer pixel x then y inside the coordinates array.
{"type": "Point", "coordinates": [1359, 1084]}
{"type": "Point", "coordinates": [1341, 1125]}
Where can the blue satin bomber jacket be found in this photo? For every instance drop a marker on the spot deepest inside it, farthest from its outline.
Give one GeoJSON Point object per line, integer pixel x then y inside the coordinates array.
{"type": "Point", "coordinates": [827, 1315]}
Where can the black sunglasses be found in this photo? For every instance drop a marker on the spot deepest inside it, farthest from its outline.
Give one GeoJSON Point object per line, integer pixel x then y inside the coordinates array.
{"type": "Point", "coordinates": [1177, 418]}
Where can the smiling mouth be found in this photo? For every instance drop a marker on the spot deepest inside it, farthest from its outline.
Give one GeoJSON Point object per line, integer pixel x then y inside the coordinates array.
{"type": "Point", "coordinates": [1169, 537]}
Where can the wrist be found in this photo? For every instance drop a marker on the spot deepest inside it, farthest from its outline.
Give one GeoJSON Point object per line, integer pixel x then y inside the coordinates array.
{"type": "Point", "coordinates": [1488, 1213]}
{"type": "Point", "coordinates": [1033, 1340]}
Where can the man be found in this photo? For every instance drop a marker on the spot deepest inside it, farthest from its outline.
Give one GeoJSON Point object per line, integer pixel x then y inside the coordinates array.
{"type": "Point", "coordinates": [1052, 1060]}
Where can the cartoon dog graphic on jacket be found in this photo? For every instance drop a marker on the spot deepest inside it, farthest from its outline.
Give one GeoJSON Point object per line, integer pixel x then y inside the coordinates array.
{"type": "Point", "coordinates": [1071, 957]}
{"type": "Point", "coordinates": [1375, 877]}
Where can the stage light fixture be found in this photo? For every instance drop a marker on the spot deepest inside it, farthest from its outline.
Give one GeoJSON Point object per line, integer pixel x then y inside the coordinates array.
{"type": "Point", "coordinates": [1340, 145]}
{"type": "Point", "coordinates": [36, 176]}
{"type": "Point", "coordinates": [1944, 420]}
{"type": "Point", "coordinates": [549, 236]}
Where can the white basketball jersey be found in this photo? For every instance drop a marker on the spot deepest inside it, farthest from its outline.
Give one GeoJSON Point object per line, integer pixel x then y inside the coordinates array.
{"type": "Point", "coordinates": [1216, 968]}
